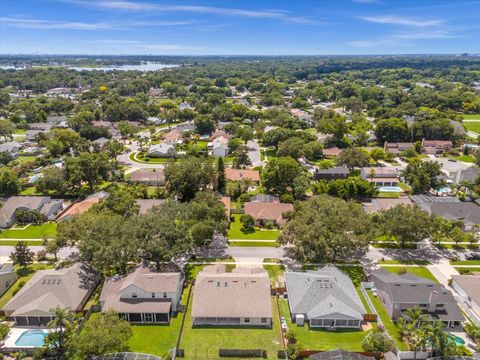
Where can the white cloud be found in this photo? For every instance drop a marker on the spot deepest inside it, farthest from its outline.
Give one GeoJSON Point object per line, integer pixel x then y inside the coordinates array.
{"type": "Point", "coordinates": [145, 6]}
{"type": "Point", "coordinates": [425, 35]}
{"type": "Point", "coordinates": [399, 20]}
{"type": "Point", "coordinates": [52, 25]}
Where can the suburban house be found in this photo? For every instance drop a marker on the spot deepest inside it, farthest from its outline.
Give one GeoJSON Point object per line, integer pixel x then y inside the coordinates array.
{"type": "Point", "coordinates": [11, 147]}
{"type": "Point", "coordinates": [468, 287]}
{"type": "Point", "coordinates": [40, 126]}
{"type": "Point", "coordinates": [57, 121]}
{"type": "Point", "coordinates": [153, 177]}
{"type": "Point", "coordinates": [402, 292]}
{"type": "Point", "coordinates": [162, 150]}
{"type": "Point", "coordinates": [80, 207]}
{"type": "Point", "coordinates": [240, 297]}
{"type": "Point", "coordinates": [381, 176]}
{"type": "Point", "coordinates": [340, 354]}
{"type": "Point", "coordinates": [324, 298]}
{"type": "Point", "coordinates": [52, 208]}
{"type": "Point", "coordinates": [397, 147]}
{"type": "Point", "coordinates": [219, 149]}
{"type": "Point", "coordinates": [467, 212]}
{"type": "Point", "coordinates": [331, 152]}
{"type": "Point", "coordinates": [101, 141]}
{"type": "Point", "coordinates": [67, 288]}
{"type": "Point", "coordinates": [382, 204]}
{"type": "Point", "coordinates": [30, 203]}
{"type": "Point", "coordinates": [184, 106]}
{"type": "Point", "coordinates": [239, 174]}
{"type": "Point", "coordinates": [147, 204]}
{"type": "Point", "coordinates": [219, 134]}
{"type": "Point", "coordinates": [8, 276]}
{"type": "Point", "coordinates": [264, 198]}
{"type": "Point", "coordinates": [467, 175]}
{"type": "Point", "coordinates": [173, 136]}
{"type": "Point", "coordinates": [436, 146]}
{"type": "Point", "coordinates": [143, 296]}
{"type": "Point", "coordinates": [267, 211]}
{"type": "Point", "coordinates": [338, 172]}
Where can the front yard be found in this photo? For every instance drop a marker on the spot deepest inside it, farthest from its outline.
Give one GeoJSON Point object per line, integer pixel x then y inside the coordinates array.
{"type": "Point", "coordinates": [30, 231]}
{"type": "Point", "coordinates": [321, 339]}
{"type": "Point", "coordinates": [417, 270]}
{"type": "Point", "coordinates": [236, 231]}
{"type": "Point", "coordinates": [204, 342]}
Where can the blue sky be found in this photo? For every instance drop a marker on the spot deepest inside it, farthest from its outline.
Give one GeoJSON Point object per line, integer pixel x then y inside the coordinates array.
{"type": "Point", "coordinates": [255, 27]}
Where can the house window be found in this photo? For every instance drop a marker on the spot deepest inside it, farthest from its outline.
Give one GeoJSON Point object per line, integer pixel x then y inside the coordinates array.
{"type": "Point", "coordinates": [439, 306]}
{"type": "Point", "coordinates": [264, 320]}
{"type": "Point", "coordinates": [148, 317]}
{"type": "Point", "coordinates": [153, 295]}
{"type": "Point", "coordinates": [134, 295]}
{"type": "Point", "coordinates": [164, 295]}
{"type": "Point", "coordinates": [247, 320]}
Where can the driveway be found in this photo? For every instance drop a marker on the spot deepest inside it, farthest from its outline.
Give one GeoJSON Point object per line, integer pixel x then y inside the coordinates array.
{"type": "Point", "coordinates": [254, 153]}
{"type": "Point", "coordinates": [449, 165]}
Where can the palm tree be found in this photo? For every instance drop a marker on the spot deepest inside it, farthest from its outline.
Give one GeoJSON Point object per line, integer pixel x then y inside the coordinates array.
{"type": "Point", "coordinates": [417, 341]}
{"type": "Point", "coordinates": [64, 324]}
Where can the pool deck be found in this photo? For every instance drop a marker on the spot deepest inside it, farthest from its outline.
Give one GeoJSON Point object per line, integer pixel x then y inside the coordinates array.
{"type": "Point", "coordinates": [14, 335]}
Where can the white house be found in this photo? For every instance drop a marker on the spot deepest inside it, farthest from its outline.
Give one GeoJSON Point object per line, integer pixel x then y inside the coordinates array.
{"type": "Point", "coordinates": [162, 150]}
{"type": "Point", "coordinates": [219, 149]}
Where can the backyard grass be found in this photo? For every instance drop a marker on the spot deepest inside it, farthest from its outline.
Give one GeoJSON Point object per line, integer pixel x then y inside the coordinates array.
{"type": "Point", "coordinates": [419, 271]}
{"type": "Point", "coordinates": [474, 125]}
{"type": "Point", "coordinates": [465, 158]}
{"type": "Point", "coordinates": [15, 242]}
{"type": "Point", "coordinates": [388, 195]}
{"type": "Point", "coordinates": [23, 277]}
{"type": "Point", "coordinates": [155, 339]}
{"type": "Point", "coordinates": [387, 322]}
{"type": "Point", "coordinates": [24, 159]}
{"type": "Point", "coordinates": [204, 342]}
{"type": "Point", "coordinates": [253, 243]}
{"type": "Point", "coordinates": [236, 232]}
{"type": "Point", "coordinates": [31, 232]}
{"type": "Point", "coordinates": [471, 116]}
{"type": "Point", "coordinates": [467, 270]}
{"type": "Point", "coordinates": [348, 339]}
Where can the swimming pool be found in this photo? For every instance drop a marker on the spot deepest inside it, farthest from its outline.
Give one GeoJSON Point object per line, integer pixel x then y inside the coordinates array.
{"type": "Point", "coordinates": [31, 338]}
{"type": "Point", "coordinates": [458, 340]}
{"type": "Point", "coordinates": [390, 189]}
{"type": "Point", "coordinates": [444, 190]}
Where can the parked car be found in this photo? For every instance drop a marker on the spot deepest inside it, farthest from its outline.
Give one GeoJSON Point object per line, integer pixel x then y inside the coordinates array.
{"type": "Point", "coordinates": [473, 257]}
{"type": "Point", "coordinates": [283, 322]}
{"type": "Point", "coordinates": [374, 292]}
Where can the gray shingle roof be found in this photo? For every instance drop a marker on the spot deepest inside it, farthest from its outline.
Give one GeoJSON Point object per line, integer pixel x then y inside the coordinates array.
{"type": "Point", "coordinates": [322, 293]}
{"type": "Point", "coordinates": [467, 212]}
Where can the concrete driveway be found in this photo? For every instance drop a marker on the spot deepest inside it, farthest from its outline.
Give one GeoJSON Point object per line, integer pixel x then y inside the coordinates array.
{"type": "Point", "coordinates": [254, 153]}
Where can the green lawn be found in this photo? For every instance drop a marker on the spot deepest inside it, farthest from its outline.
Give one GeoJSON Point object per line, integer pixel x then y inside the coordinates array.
{"type": "Point", "coordinates": [471, 116]}
{"type": "Point", "coordinates": [31, 232]}
{"type": "Point", "coordinates": [405, 262]}
{"type": "Point", "coordinates": [465, 262]}
{"type": "Point", "coordinates": [388, 195]}
{"type": "Point", "coordinates": [23, 277]}
{"type": "Point", "coordinates": [274, 271]}
{"type": "Point", "coordinates": [236, 232]}
{"type": "Point", "coordinates": [465, 158]}
{"type": "Point", "coordinates": [387, 322]}
{"type": "Point", "coordinates": [155, 339]}
{"type": "Point", "coordinates": [419, 271]}
{"type": "Point", "coordinates": [323, 339]}
{"type": "Point", "coordinates": [152, 160]}
{"type": "Point", "coordinates": [15, 242]}
{"type": "Point", "coordinates": [204, 342]}
{"type": "Point", "coordinates": [467, 270]}
{"type": "Point", "coordinates": [253, 243]}
{"type": "Point", "coordinates": [24, 159]}
{"type": "Point", "coordinates": [473, 126]}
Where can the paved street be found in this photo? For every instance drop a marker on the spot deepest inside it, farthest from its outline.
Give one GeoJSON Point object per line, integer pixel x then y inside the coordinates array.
{"type": "Point", "coordinates": [240, 252]}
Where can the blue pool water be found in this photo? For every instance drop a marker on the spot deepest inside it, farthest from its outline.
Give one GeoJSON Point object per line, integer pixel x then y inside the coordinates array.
{"type": "Point", "coordinates": [444, 190]}
{"type": "Point", "coordinates": [32, 338]}
{"type": "Point", "coordinates": [390, 189]}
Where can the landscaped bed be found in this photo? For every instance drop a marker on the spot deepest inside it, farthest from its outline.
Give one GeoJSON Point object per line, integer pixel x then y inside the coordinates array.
{"type": "Point", "coordinates": [236, 231]}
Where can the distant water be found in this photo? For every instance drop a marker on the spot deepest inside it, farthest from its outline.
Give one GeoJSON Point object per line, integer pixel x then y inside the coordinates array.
{"type": "Point", "coordinates": [146, 66]}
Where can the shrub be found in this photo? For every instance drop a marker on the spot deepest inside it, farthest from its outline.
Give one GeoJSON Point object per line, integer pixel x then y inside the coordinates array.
{"type": "Point", "coordinates": [287, 198]}
{"type": "Point", "coordinates": [269, 224]}
{"type": "Point", "coordinates": [247, 221]}
{"type": "Point", "coordinates": [291, 336]}
{"type": "Point", "coordinates": [293, 351]}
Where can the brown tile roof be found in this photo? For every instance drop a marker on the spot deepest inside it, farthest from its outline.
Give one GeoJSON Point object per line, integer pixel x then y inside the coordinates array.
{"type": "Point", "coordinates": [220, 133]}
{"type": "Point", "coordinates": [148, 176]}
{"type": "Point", "coordinates": [172, 135]}
{"type": "Point", "coordinates": [79, 208]}
{"type": "Point", "coordinates": [333, 151]}
{"type": "Point", "coordinates": [267, 210]}
{"type": "Point", "coordinates": [245, 292]}
{"type": "Point", "coordinates": [379, 204]}
{"type": "Point", "coordinates": [147, 204]}
{"type": "Point", "coordinates": [239, 174]}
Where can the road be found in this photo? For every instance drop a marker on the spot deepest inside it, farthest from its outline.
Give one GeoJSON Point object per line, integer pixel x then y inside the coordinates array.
{"type": "Point", "coordinates": [5, 252]}
{"type": "Point", "coordinates": [254, 153]}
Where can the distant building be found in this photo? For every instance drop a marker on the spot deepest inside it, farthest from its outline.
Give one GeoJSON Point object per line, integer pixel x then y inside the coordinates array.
{"type": "Point", "coordinates": [331, 152]}
{"type": "Point", "coordinates": [396, 148]}
{"type": "Point", "coordinates": [147, 204]}
{"type": "Point", "coordinates": [8, 276]}
{"type": "Point", "coordinates": [436, 146]}
{"type": "Point", "coordinates": [239, 174]}
{"type": "Point", "coordinates": [219, 149]}
{"type": "Point", "coordinates": [380, 176]}
{"type": "Point", "coordinates": [162, 150]}
{"type": "Point", "coordinates": [263, 212]}
{"type": "Point", "coordinates": [11, 147]}
{"type": "Point", "coordinates": [184, 106]}
{"type": "Point", "coordinates": [152, 177]}
{"type": "Point", "coordinates": [338, 172]}
{"type": "Point", "coordinates": [382, 204]}
{"type": "Point", "coordinates": [14, 203]}
{"type": "Point", "coordinates": [83, 206]}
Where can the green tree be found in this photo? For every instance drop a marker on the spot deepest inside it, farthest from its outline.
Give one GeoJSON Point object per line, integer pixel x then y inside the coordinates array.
{"type": "Point", "coordinates": [7, 128]}
{"type": "Point", "coordinates": [21, 255]}
{"type": "Point", "coordinates": [190, 176]}
{"type": "Point", "coordinates": [326, 229]}
{"type": "Point", "coordinates": [241, 159]}
{"type": "Point", "coordinates": [221, 180]}
{"type": "Point", "coordinates": [279, 174]}
{"type": "Point", "coordinates": [56, 341]}
{"type": "Point", "coordinates": [392, 130]}
{"type": "Point", "coordinates": [9, 183]}
{"type": "Point", "coordinates": [422, 175]}
{"type": "Point", "coordinates": [247, 221]}
{"type": "Point", "coordinates": [352, 158]}
{"type": "Point", "coordinates": [103, 334]}
{"type": "Point", "coordinates": [92, 168]}
{"type": "Point", "coordinates": [53, 179]}
{"type": "Point", "coordinates": [378, 341]}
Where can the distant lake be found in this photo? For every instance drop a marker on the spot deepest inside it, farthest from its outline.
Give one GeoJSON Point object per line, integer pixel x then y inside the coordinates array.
{"type": "Point", "coordinates": [146, 66]}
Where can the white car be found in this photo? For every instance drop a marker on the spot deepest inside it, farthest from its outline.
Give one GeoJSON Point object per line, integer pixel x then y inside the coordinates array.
{"type": "Point", "coordinates": [374, 292]}
{"type": "Point", "coordinates": [283, 322]}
